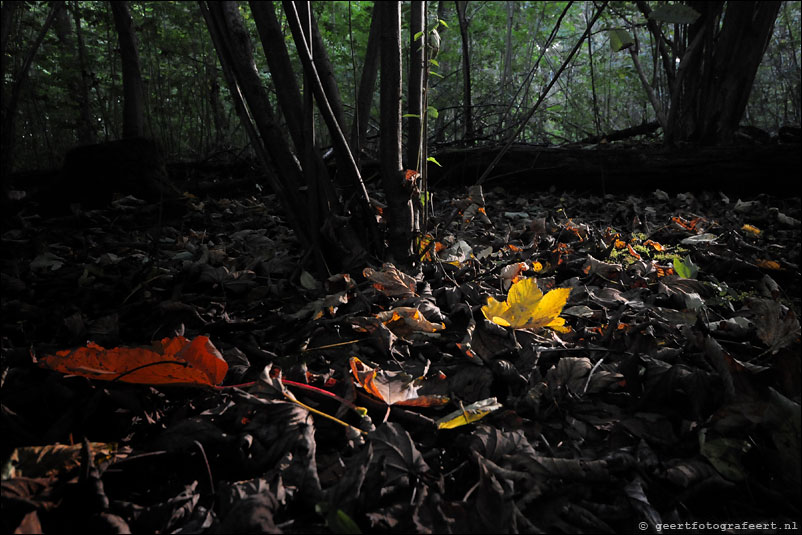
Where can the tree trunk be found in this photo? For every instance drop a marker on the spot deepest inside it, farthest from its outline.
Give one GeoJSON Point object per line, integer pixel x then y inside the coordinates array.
{"type": "Point", "coordinates": [86, 134]}
{"type": "Point", "coordinates": [417, 63]}
{"type": "Point", "coordinates": [399, 204]}
{"type": "Point", "coordinates": [350, 181]}
{"type": "Point", "coordinates": [438, 135]}
{"type": "Point", "coordinates": [507, 73]}
{"type": "Point", "coordinates": [72, 76]}
{"type": "Point", "coordinates": [367, 83]}
{"type": "Point", "coordinates": [335, 243]}
{"type": "Point", "coordinates": [236, 57]}
{"type": "Point", "coordinates": [7, 11]}
{"type": "Point", "coordinates": [133, 90]}
{"type": "Point", "coordinates": [8, 110]}
{"type": "Point", "coordinates": [718, 69]}
{"type": "Point", "coordinates": [278, 61]}
{"type": "Point", "coordinates": [325, 71]}
{"type": "Point", "coordinates": [468, 137]}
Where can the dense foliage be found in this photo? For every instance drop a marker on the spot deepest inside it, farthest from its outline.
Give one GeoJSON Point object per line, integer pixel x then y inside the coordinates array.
{"type": "Point", "coordinates": [189, 112]}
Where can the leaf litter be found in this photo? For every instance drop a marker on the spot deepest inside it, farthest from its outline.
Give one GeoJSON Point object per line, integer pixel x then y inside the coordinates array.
{"type": "Point", "coordinates": [563, 362]}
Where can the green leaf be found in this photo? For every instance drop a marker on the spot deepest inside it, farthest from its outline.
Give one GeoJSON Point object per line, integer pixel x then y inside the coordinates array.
{"type": "Point", "coordinates": [685, 268]}
{"type": "Point", "coordinates": [417, 36]}
{"type": "Point", "coordinates": [424, 198]}
{"type": "Point", "coordinates": [436, 74]}
{"type": "Point", "coordinates": [434, 62]}
{"type": "Point", "coordinates": [441, 21]}
{"type": "Point", "coordinates": [431, 159]}
{"type": "Point", "coordinates": [433, 111]}
{"type": "Point", "coordinates": [620, 39]}
{"type": "Point", "coordinates": [674, 14]}
{"type": "Point", "coordinates": [337, 520]}
{"type": "Point", "coordinates": [411, 115]}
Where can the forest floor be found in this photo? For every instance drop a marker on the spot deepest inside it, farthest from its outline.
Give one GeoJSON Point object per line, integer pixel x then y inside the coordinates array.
{"type": "Point", "coordinates": [673, 395]}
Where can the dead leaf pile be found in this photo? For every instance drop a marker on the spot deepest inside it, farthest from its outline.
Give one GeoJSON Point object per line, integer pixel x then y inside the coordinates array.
{"type": "Point", "coordinates": [556, 363]}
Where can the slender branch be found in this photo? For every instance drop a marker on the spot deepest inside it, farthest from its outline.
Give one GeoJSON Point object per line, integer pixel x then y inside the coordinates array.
{"type": "Point", "coordinates": [540, 99]}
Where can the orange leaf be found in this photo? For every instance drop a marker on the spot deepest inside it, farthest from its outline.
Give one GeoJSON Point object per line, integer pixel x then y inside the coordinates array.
{"type": "Point", "coordinates": [656, 246]}
{"type": "Point", "coordinates": [170, 361]}
{"type": "Point", "coordinates": [768, 264]}
{"type": "Point", "coordinates": [751, 229]}
{"type": "Point", "coordinates": [632, 252]}
{"type": "Point", "coordinates": [411, 175]}
{"type": "Point", "coordinates": [393, 388]}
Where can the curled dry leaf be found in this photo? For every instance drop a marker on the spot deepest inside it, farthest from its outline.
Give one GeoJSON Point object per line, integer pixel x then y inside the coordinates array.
{"type": "Point", "coordinates": [391, 282]}
{"type": "Point", "coordinates": [393, 387]}
{"type": "Point", "coordinates": [403, 321]}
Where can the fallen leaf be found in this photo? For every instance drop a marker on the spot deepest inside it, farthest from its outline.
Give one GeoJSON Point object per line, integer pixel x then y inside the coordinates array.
{"type": "Point", "coordinates": [527, 308]}
{"type": "Point", "coordinates": [468, 414]}
{"type": "Point", "coordinates": [393, 387]}
{"type": "Point", "coordinates": [169, 361]}
{"type": "Point", "coordinates": [751, 229]}
{"type": "Point", "coordinates": [391, 282]}
{"type": "Point", "coordinates": [775, 327]}
{"type": "Point", "coordinates": [403, 321]}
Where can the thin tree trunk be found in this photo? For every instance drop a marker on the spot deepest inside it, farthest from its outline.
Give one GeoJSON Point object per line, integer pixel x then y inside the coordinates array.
{"type": "Point", "coordinates": [20, 78]}
{"type": "Point", "coordinates": [440, 120]}
{"type": "Point", "coordinates": [350, 182]}
{"type": "Point", "coordinates": [325, 71]}
{"type": "Point", "coordinates": [72, 76]}
{"type": "Point", "coordinates": [416, 155]}
{"type": "Point", "coordinates": [87, 134]}
{"type": "Point", "coordinates": [417, 63]}
{"type": "Point", "coordinates": [278, 61]}
{"type": "Point", "coordinates": [467, 107]}
{"type": "Point", "coordinates": [596, 120]}
{"type": "Point", "coordinates": [335, 243]}
{"type": "Point", "coordinates": [236, 58]}
{"type": "Point", "coordinates": [133, 90]}
{"type": "Point", "coordinates": [507, 72]}
{"type": "Point", "coordinates": [399, 204]}
{"type": "Point", "coordinates": [367, 84]}
{"type": "Point", "coordinates": [7, 11]}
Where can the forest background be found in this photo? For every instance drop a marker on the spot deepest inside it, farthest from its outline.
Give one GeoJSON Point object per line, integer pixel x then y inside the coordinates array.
{"type": "Point", "coordinates": [74, 91]}
{"type": "Point", "coordinates": [193, 78]}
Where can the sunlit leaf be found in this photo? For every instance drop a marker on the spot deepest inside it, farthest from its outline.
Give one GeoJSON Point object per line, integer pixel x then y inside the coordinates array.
{"type": "Point", "coordinates": [170, 361]}
{"type": "Point", "coordinates": [754, 231]}
{"type": "Point", "coordinates": [468, 414]}
{"type": "Point", "coordinates": [686, 268]}
{"type": "Point", "coordinates": [656, 246]}
{"type": "Point", "coordinates": [527, 308]}
{"type": "Point", "coordinates": [620, 39]}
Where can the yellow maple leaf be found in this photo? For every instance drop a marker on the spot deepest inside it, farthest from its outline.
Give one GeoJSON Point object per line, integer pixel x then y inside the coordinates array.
{"type": "Point", "coordinates": [527, 308]}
